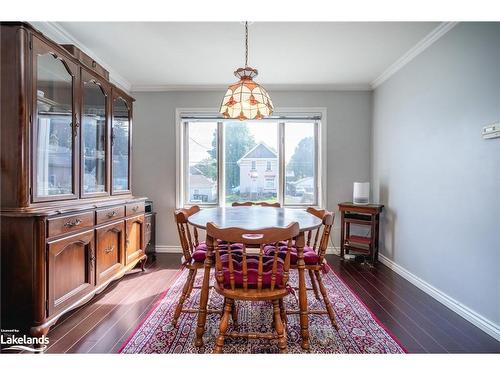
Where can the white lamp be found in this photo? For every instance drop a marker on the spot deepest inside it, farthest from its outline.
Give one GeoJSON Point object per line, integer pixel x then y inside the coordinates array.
{"type": "Point", "coordinates": [361, 193]}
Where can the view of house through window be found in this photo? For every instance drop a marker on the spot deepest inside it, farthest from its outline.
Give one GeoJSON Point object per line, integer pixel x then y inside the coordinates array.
{"type": "Point", "coordinates": [248, 148]}
{"type": "Point", "coordinates": [251, 162]}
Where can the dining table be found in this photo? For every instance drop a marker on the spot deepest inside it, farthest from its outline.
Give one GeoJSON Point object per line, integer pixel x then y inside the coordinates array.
{"type": "Point", "coordinates": [252, 218]}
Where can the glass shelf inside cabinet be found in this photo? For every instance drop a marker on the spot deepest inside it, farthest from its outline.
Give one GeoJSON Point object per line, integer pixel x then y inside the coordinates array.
{"type": "Point", "coordinates": [54, 128]}
{"type": "Point", "coordinates": [94, 138]}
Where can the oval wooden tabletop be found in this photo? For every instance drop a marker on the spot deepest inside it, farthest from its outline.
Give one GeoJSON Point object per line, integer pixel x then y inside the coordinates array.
{"type": "Point", "coordinates": [254, 217]}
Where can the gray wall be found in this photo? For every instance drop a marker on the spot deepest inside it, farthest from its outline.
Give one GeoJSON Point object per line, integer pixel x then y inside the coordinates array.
{"type": "Point", "coordinates": [348, 145]}
{"type": "Point", "coordinates": [439, 180]}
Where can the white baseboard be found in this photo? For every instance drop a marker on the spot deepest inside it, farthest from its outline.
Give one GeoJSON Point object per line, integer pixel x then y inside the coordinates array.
{"type": "Point", "coordinates": [168, 249]}
{"type": "Point", "coordinates": [478, 320]}
{"type": "Point", "coordinates": [333, 250]}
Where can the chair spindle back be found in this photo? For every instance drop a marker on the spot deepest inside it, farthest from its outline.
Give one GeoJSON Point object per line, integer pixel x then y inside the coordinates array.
{"type": "Point", "coordinates": [253, 243]}
{"type": "Point", "coordinates": [188, 234]}
{"type": "Point", "coordinates": [321, 235]}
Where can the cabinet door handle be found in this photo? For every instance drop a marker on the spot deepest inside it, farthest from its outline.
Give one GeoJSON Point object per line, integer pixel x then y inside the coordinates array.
{"type": "Point", "coordinates": [109, 249]}
{"type": "Point", "coordinates": [74, 128]}
{"type": "Point", "coordinates": [92, 258]}
{"type": "Point", "coordinates": [71, 224]}
{"type": "Point", "coordinates": [111, 214]}
{"type": "Point", "coordinates": [135, 208]}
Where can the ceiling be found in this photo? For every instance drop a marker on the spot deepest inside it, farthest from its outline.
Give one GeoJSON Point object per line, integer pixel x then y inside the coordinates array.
{"type": "Point", "coordinates": [183, 55]}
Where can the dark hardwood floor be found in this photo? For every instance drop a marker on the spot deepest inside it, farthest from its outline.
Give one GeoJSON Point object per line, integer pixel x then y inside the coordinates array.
{"type": "Point", "coordinates": [421, 324]}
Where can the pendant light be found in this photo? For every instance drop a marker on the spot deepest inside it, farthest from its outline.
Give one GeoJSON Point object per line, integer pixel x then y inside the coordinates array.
{"type": "Point", "coordinates": [246, 99]}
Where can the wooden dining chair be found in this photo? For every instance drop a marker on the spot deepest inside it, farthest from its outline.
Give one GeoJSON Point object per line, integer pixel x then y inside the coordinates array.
{"type": "Point", "coordinates": [262, 204]}
{"type": "Point", "coordinates": [188, 236]}
{"type": "Point", "coordinates": [316, 244]}
{"type": "Point", "coordinates": [252, 276]}
{"type": "Point", "coordinates": [194, 254]}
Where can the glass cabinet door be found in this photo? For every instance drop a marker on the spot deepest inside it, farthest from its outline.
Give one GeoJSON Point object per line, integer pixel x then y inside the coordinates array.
{"type": "Point", "coordinates": [54, 126]}
{"type": "Point", "coordinates": [93, 138]}
{"type": "Point", "coordinates": [120, 145]}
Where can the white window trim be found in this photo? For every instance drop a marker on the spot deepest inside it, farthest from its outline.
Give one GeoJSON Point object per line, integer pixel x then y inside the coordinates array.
{"type": "Point", "coordinates": [180, 157]}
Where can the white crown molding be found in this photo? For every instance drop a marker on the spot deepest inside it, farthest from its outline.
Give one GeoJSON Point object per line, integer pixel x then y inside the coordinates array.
{"type": "Point", "coordinates": [59, 34]}
{"type": "Point", "coordinates": [169, 88]}
{"type": "Point", "coordinates": [271, 87]}
{"type": "Point", "coordinates": [416, 50]}
{"type": "Point", "coordinates": [478, 320]}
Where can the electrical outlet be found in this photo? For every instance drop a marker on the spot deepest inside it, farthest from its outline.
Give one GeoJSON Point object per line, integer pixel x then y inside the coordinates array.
{"type": "Point", "coordinates": [491, 131]}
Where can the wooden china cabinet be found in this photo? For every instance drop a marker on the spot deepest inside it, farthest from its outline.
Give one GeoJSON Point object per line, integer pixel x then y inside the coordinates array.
{"type": "Point", "coordinates": [69, 222]}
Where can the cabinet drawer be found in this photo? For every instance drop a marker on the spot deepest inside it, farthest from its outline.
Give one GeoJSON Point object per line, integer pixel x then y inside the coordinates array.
{"type": "Point", "coordinates": [108, 214]}
{"type": "Point", "coordinates": [70, 223]}
{"type": "Point", "coordinates": [134, 208]}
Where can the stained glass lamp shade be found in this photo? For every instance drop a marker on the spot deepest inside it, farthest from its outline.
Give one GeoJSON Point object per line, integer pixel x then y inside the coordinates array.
{"type": "Point", "coordinates": [245, 99]}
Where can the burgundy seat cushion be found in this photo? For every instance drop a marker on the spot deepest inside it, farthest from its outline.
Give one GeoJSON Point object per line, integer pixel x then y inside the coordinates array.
{"type": "Point", "coordinates": [310, 256]}
{"type": "Point", "coordinates": [252, 270]}
{"type": "Point", "coordinates": [201, 250]}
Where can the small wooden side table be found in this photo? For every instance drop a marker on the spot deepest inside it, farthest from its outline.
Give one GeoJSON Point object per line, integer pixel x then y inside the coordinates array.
{"type": "Point", "coordinates": [368, 215]}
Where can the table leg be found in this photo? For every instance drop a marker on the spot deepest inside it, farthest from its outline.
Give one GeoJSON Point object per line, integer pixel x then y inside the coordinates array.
{"type": "Point", "coordinates": [347, 234]}
{"type": "Point", "coordinates": [205, 287]}
{"type": "Point", "coordinates": [373, 239]}
{"type": "Point", "coordinates": [377, 234]}
{"type": "Point", "coordinates": [342, 229]}
{"type": "Point", "coordinates": [304, 318]}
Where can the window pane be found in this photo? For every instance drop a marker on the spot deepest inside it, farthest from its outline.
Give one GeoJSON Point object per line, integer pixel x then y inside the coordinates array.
{"type": "Point", "coordinates": [202, 154]}
{"type": "Point", "coordinates": [300, 185]}
{"type": "Point", "coordinates": [251, 161]}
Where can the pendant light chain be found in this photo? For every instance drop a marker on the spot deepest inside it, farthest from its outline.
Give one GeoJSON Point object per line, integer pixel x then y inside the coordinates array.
{"type": "Point", "coordinates": [246, 99]}
{"type": "Point", "coordinates": [246, 44]}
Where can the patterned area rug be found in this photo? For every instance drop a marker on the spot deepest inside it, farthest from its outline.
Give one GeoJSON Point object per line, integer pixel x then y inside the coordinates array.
{"type": "Point", "coordinates": [359, 331]}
